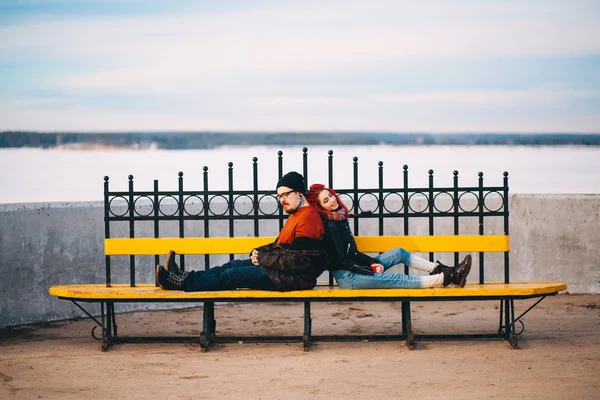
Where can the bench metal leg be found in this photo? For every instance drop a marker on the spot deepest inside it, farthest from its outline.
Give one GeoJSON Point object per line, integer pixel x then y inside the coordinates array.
{"type": "Point", "coordinates": [501, 315]}
{"type": "Point", "coordinates": [512, 329]}
{"type": "Point", "coordinates": [106, 337]}
{"type": "Point", "coordinates": [507, 331]}
{"type": "Point", "coordinates": [208, 326]}
{"type": "Point", "coordinates": [213, 326]}
{"type": "Point", "coordinates": [307, 327]}
{"type": "Point", "coordinates": [104, 319]}
{"type": "Point", "coordinates": [514, 339]}
{"type": "Point", "coordinates": [509, 328]}
{"type": "Point", "coordinates": [109, 331]}
{"type": "Point", "coordinates": [109, 324]}
{"type": "Point", "coordinates": [407, 326]}
{"type": "Point", "coordinates": [518, 319]}
{"type": "Point", "coordinates": [110, 307]}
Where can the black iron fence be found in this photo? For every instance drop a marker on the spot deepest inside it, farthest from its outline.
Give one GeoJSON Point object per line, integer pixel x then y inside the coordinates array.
{"type": "Point", "coordinates": [402, 203]}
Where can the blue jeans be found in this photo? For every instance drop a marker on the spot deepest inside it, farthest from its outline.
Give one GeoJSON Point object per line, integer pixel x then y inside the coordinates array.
{"type": "Point", "coordinates": [232, 275]}
{"type": "Point", "coordinates": [351, 280]}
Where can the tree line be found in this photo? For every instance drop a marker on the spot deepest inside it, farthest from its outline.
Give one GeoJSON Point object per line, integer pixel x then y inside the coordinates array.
{"type": "Point", "coordinates": [207, 140]}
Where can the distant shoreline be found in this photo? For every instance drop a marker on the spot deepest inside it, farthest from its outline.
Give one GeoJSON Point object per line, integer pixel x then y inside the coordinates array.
{"type": "Point", "coordinates": [209, 140]}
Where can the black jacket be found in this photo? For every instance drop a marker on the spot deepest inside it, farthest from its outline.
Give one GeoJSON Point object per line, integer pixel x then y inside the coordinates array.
{"type": "Point", "coordinates": [341, 249]}
{"type": "Point", "coordinates": [295, 266]}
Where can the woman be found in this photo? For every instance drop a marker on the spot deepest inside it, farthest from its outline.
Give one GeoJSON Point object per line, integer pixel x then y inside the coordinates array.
{"type": "Point", "coordinates": [355, 270]}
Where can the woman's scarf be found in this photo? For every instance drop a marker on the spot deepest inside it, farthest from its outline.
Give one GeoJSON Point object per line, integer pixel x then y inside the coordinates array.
{"type": "Point", "coordinates": [337, 215]}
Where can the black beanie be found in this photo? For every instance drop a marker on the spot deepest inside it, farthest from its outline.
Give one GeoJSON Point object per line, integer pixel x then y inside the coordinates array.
{"type": "Point", "coordinates": [294, 181]}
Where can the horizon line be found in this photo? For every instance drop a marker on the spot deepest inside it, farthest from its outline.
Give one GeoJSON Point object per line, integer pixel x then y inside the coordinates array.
{"type": "Point", "coordinates": [287, 132]}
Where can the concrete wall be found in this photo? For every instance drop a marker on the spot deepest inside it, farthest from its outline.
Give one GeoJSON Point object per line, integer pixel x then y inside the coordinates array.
{"type": "Point", "coordinates": [553, 238]}
{"type": "Point", "coordinates": [556, 238]}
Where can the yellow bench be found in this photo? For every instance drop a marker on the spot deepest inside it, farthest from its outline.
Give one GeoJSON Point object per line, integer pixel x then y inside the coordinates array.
{"type": "Point", "coordinates": [506, 293]}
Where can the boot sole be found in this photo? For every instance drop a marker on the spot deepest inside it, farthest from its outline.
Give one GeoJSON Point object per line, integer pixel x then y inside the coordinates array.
{"type": "Point", "coordinates": [168, 260]}
{"type": "Point", "coordinates": [156, 277]}
{"type": "Point", "coordinates": [463, 281]}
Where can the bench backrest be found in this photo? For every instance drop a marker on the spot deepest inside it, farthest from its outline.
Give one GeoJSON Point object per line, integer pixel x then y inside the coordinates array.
{"type": "Point", "coordinates": [400, 206]}
{"type": "Point", "coordinates": [244, 245]}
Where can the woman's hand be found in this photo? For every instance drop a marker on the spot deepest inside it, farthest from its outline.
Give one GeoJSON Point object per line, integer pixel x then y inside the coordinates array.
{"type": "Point", "coordinates": [377, 268]}
{"type": "Point", "coordinates": [254, 257]}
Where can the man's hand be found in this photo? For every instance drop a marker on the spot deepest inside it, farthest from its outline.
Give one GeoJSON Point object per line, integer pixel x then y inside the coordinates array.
{"type": "Point", "coordinates": [377, 268]}
{"type": "Point", "coordinates": [254, 257]}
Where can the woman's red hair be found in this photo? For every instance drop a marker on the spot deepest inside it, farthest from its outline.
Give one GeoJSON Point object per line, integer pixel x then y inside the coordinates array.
{"type": "Point", "coordinates": [313, 199]}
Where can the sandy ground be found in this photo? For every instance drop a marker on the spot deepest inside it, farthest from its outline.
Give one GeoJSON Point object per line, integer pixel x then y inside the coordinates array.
{"type": "Point", "coordinates": [559, 355]}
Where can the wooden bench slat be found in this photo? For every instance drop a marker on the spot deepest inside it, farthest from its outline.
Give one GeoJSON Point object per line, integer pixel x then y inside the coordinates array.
{"type": "Point", "coordinates": [244, 245]}
{"type": "Point", "coordinates": [150, 292]}
{"type": "Point", "coordinates": [151, 246]}
{"type": "Point", "coordinates": [442, 244]}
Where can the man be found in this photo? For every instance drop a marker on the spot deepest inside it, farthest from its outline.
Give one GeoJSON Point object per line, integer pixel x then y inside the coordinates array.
{"type": "Point", "coordinates": [292, 262]}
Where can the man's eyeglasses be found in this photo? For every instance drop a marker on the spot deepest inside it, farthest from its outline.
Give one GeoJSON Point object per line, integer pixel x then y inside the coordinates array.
{"type": "Point", "coordinates": [285, 195]}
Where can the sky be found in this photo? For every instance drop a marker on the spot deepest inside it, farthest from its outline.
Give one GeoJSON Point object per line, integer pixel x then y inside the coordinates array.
{"type": "Point", "coordinates": [437, 66]}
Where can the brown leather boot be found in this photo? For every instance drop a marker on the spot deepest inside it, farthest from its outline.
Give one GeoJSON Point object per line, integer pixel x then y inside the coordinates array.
{"type": "Point", "coordinates": [169, 280]}
{"type": "Point", "coordinates": [455, 275]}
{"type": "Point", "coordinates": [449, 275]}
{"type": "Point", "coordinates": [438, 268]}
{"type": "Point", "coordinates": [171, 265]}
{"type": "Point", "coordinates": [462, 271]}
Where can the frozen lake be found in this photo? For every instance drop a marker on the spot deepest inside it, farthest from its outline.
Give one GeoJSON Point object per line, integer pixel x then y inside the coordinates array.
{"type": "Point", "coordinates": [39, 175]}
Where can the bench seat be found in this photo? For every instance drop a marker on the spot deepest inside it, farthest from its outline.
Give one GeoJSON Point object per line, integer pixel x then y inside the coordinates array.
{"type": "Point", "coordinates": [110, 294]}
{"type": "Point", "coordinates": [149, 292]}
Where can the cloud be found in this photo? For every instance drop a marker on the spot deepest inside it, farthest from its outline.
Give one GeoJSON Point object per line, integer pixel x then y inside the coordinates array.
{"type": "Point", "coordinates": [39, 117]}
{"type": "Point", "coordinates": [490, 98]}
{"type": "Point", "coordinates": [540, 110]}
{"type": "Point", "coordinates": [188, 52]}
{"type": "Point", "coordinates": [279, 66]}
{"type": "Point", "coordinates": [497, 99]}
